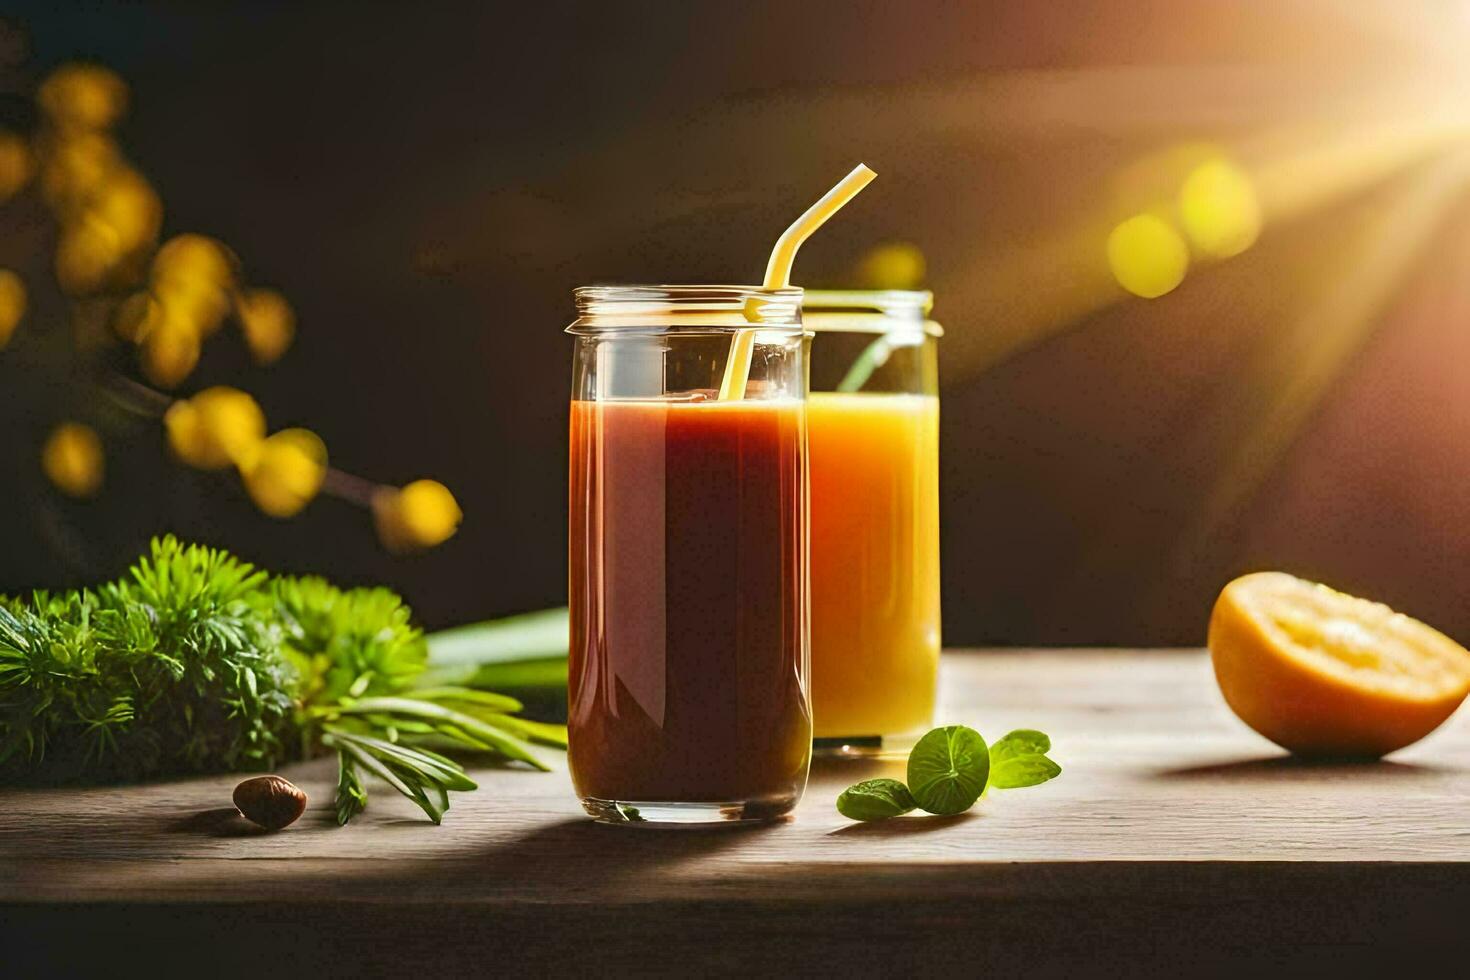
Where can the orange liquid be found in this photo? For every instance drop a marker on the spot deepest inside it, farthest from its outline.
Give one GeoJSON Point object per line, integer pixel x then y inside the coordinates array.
{"type": "Point", "coordinates": [875, 562]}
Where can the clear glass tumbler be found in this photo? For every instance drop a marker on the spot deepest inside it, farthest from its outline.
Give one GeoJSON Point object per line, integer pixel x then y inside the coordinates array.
{"type": "Point", "coordinates": [873, 422]}
{"type": "Point", "coordinates": [688, 698]}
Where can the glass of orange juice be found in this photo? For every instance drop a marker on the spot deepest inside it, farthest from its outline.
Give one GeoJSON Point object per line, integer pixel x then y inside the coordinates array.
{"type": "Point", "coordinates": [873, 430]}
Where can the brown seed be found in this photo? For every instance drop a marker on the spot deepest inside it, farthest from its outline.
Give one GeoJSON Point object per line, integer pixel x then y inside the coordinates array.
{"type": "Point", "coordinates": [270, 801]}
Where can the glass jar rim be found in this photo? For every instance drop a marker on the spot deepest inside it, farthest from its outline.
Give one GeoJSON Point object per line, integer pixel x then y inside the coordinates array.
{"type": "Point", "coordinates": [661, 307]}
{"type": "Point", "coordinates": [893, 302]}
{"type": "Point", "coordinates": [869, 311]}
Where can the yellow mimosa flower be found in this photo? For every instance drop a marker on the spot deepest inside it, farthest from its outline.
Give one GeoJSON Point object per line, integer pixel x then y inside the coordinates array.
{"type": "Point", "coordinates": [12, 304]}
{"type": "Point", "coordinates": [421, 515]}
{"type": "Point", "coordinates": [268, 323]}
{"type": "Point", "coordinates": [72, 459]}
{"type": "Point", "coordinates": [83, 96]}
{"type": "Point", "coordinates": [216, 428]}
{"type": "Point", "coordinates": [284, 472]}
{"type": "Point", "coordinates": [15, 165]}
{"type": "Point", "coordinates": [170, 353]}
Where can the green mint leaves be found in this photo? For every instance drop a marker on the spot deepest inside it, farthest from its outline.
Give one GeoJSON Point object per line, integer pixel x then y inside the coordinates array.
{"type": "Point", "coordinates": [949, 768]}
{"type": "Point", "coordinates": [875, 799]}
{"type": "Point", "coordinates": [1022, 741]}
{"type": "Point", "coordinates": [1020, 760]}
{"type": "Point", "coordinates": [1028, 770]}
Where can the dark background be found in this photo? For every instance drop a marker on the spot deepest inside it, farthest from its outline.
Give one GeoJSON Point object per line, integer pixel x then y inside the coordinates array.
{"type": "Point", "coordinates": [427, 183]}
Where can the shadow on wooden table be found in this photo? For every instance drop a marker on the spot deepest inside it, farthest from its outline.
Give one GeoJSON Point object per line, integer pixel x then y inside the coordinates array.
{"type": "Point", "coordinates": [1295, 768]}
{"type": "Point", "coordinates": [223, 821]}
{"type": "Point", "coordinates": [596, 862]}
{"type": "Point", "coordinates": [610, 852]}
{"type": "Point", "coordinates": [913, 823]}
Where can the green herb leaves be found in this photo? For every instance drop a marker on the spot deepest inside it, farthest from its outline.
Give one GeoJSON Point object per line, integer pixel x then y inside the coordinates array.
{"type": "Point", "coordinates": [423, 776]}
{"type": "Point", "coordinates": [168, 670]}
{"type": "Point", "coordinates": [196, 662]}
{"type": "Point", "coordinates": [1022, 741]}
{"type": "Point", "coordinates": [948, 769]}
{"type": "Point", "coordinates": [1020, 760]}
{"type": "Point", "coordinates": [394, 738]}
{"type": "Point", "coordinates": [1029, 770]}
{"type": "Point", "coordinates": [875, 799]}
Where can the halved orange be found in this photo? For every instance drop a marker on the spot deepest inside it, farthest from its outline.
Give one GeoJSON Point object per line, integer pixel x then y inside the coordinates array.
{"type": "Point", "coordinates": [1320, 672]}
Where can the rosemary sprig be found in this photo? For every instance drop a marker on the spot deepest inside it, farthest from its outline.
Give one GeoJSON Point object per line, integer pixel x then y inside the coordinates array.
{"type": "Point", "coordinates": [395, 738]}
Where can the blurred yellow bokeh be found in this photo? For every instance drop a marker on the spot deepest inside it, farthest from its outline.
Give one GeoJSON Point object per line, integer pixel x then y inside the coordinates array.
{"type": "Point", "coordinates": [284, 473]}
{"type": "Point", "coordinates": [421, 515]}
{"type": "Point", "coordinates": [196, 259]}
{"type": "Point", "coordinates": [85, 255]}
{"type": "Point", "coordinates": [12, 304]}
{"type": "Point", "coordinates": [169, 353]}
{"type": "Point", "coordinates": [83, 96]}
{"type": "Point", "coordinates": [268, 323]}
{"type": "Point", "coordinates": [110, 216]}
{"type": "Point", "coordinates": [127, 205]}
{"type": "Point", "coordinates": [894, 265]}
{"type": "Point", "coordinates": [216, 428]}
{"type": "Point", "coordinates": [135, 316]}
{"type": "Point", "coordinates": [193, 304]}
{"type": "Point", "coordinates": [72, 459]}
{"type": "Point", "coordinates": [15, 164]}
{"type": "Point", "coordinates": [74, 166]}
{"type": "Point", "coordinates": [168, 299]}
{"type": "Point", "coordinates": [1147, 256]}
{"type": "Point", "coordinates": [192, 278]}
{"type": "Point", "coordinates": [1219, 209]}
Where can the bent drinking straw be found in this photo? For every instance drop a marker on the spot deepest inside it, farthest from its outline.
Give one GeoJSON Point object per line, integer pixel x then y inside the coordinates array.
{"type": "Point", "coordinates": [778, 270]}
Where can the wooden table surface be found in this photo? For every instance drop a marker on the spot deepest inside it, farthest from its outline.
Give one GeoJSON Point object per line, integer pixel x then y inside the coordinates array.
{"type": "Point", "coordinates": [1174, 838]}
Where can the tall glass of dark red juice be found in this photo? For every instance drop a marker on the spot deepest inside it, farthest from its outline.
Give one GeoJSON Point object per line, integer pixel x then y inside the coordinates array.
{"type": "Point", "coordinates": [689, 579]}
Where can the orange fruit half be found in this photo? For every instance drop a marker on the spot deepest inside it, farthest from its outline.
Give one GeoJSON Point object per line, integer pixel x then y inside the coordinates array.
{"type": "Point", "coordinates": [1323, 673]}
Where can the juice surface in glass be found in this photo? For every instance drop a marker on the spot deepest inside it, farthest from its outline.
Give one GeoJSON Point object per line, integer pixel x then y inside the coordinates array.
{"type": "Point", "coordinates": [686, 672]}
{"type": "Point", "coordinates": [875, 562]}
{"type": "Point", "coordinates": [873, 424]}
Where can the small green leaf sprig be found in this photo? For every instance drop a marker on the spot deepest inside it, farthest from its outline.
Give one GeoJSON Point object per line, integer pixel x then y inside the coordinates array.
{"type": "Point", "coordinates": [948, 769]}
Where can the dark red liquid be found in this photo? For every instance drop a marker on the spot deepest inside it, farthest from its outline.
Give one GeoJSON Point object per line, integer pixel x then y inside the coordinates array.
{"type": "Point", "coordinates": [688, 645]}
